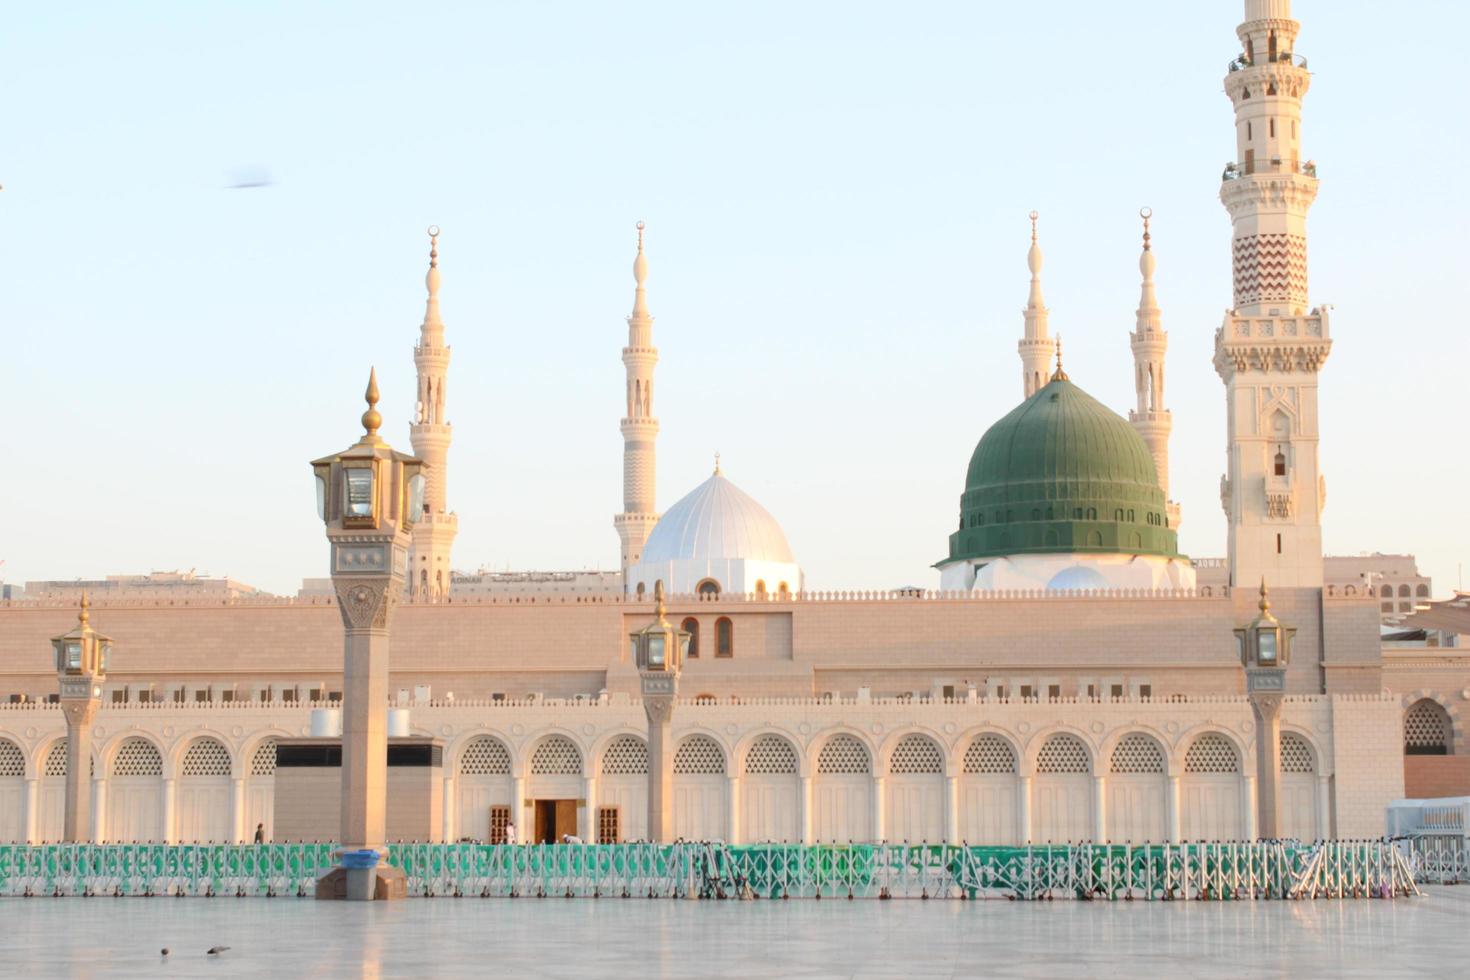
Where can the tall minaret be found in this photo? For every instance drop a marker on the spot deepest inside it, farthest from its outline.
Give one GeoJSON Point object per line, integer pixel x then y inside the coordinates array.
{"type": "Point", "coordinates": [1036, 345]}
{"type": "Point", "coordinates": [639, 427]}
{"type": "Point", "coordinates": [1272, 344]}
{"type": "Point", "coordinates": [433, 535]}
{"type": "Point", "coordinates": [1149, 342]}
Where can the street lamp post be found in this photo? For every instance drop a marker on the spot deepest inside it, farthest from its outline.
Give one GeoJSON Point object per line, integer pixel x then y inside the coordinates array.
{"type": "Point", "coordinates": [368, 496]}
{"type": "Point", "coordinates": [1265, 650]}
{"type": "Point", "coordinates": [81, 669]}
{"type": "Point", "coordinates": [659, 650]}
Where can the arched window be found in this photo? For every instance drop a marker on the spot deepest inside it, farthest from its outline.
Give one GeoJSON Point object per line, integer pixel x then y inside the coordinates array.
{"type": "Point", "coordinates": [1063, 753]}
{"type": "Point", "coordinates": [1280, 467]}
{"type": "Point", "coordinates": [1427, 729]}
{"type": "Point", "coordinates": [916, 754]}
{"type": "Point", "coordinates": [1386, 592]}
{"type": "Point", "coordinates": [844, 755]}
{"type": "Point", "coordinates": [1404, 591]}
{"type": "Point", "coordinates": [709, 587]}
{"type": "Point", "coordinates": [557, 756]}
{"type": "Point", "coordinates": [760, 586]}
{"type": "Point", "coordinates": [206, 757]}
{"type": "Point", "coordinates": [724, 637]}
{"type": "Point", "coordinates": [1212, 753]}
{"type": "Point", "coordinates": [1422, 591]}
{"type": "Point", "coordinates": [691, 626]}
{"type": "Point", "coordinates": [784, 589]}
{"type": "Point", "coordinates": [485, 755]}
{"type": "Point", "coordinates": [990, 755]}
{"type": "Point", "coordinates": [1137, 753]}
{"type": "Point", "coordinates": [626, 755]}
{"type": "Point", "coordinates": [1092, 513]}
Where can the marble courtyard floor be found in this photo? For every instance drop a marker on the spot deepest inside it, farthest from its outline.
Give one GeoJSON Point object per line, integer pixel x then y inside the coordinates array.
{"type": "Point", "coordinates": [102, 937]}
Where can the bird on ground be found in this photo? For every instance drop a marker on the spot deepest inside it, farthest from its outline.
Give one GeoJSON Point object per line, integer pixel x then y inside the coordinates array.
{"type": "Point", "coordinates": [163, 952]}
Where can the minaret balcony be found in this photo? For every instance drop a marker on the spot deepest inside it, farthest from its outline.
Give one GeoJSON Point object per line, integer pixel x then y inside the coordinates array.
{"type": "Point", "coordinates": [1270, 165]}
{"type": "Point", "coordinates": [1240, 62]}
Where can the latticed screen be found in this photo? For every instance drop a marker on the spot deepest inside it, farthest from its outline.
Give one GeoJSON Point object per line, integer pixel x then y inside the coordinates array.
{"type": "Point", "coordinates": [699, 755]}
{"type": "Point", "coordinates": [1212, 753]}
{"type": "Point", "coordinates": [1296, 754]}
{"type": "Point", "coordinates": [56, 758]}
{"type": "Point", "coordinates": [499, 820]}
{"type": "Point", "coordinates": [770, 755]}
{"type": "Point", "coordinates": [626, 755]}
{"type": "Point", "coordinates": [844, 755]}
{"type": "Point", "coordinates": [136, 757]}
{"type": "Point", "coordinates": [1426, 729]}
{"type": "Point", "coordinates": [206, 757]}
{"type": "Point", "coordinates": [916, 754]}
{"type": "Point", "coordinates": [1062, 754]}
{"type": "Point", "coordinates": [485, 756]}
{"type": "Point", "coordinates": [990, 754]}
{"type": "Point", "coordinates": [12, 761]}
{"type": "Point", "coordinates": [556, 756]}
{"type": "Point", "coordinates": [1137, 753]}
{"type": "Point", "coordinates": [263, 762]}
{"type": "Point", "coordinates": [607, 825]}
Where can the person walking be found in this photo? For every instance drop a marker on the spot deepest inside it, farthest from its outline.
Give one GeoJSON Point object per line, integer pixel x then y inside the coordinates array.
{"type": "Point", "coordinates": [510, 832]}
{"type": "Point", "coordinates": [260, 833]}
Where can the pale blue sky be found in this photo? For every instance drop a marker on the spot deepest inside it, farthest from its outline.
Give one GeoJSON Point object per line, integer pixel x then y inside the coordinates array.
{"type": "Point", "coordinates": [836, 196]}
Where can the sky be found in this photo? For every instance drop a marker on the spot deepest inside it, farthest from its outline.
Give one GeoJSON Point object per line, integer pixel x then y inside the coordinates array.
{"type": "Point", "coordinates": [836, 198]}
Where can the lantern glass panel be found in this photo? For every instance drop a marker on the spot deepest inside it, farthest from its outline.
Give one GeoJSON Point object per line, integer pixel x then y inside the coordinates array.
{"type": "Point", "coordinates": [415, 498]}
{"type": "Point", "coordinates": [73, 656]}
{"type": "Point", "coordinates": [360, 492]}
{"type": "Point", "coordinates": [321, 499]}
{"type": "Point", "coordinates": [656, 658]}
{"type": "Point", "coordinates": [1266, 645]}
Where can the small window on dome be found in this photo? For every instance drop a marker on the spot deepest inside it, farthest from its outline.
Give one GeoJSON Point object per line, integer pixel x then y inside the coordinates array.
{"type": "Point", "coordinates": [1118, 515]}
{"type": "Point", "coordinates": [760, 586]}
{"type": "Point", "coordinates": [709, 587]}
{"type": "Point", "coordinates": [1130, 517]}
{"type": "Point", "coordinates": [1092, 513]}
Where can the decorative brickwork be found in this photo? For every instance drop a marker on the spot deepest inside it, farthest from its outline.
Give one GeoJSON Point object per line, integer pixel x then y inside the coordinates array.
{"type": "Point", "coordinates": [1270, 268]}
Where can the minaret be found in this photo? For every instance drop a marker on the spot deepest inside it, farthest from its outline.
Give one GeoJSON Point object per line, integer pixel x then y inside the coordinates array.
{"type": "Point", "coordinates": [433, 535]}
{"type": "Point", "coordinates": [639, 427]}
{"type": "Point", "coordinates": [1272, 344]}
{"type": "Point", "coordinates": [1149, 342]}
{"type": "Point", "coordinates": [1036, 346]}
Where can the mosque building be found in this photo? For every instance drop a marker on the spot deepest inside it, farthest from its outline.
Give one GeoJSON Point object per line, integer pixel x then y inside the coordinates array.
{"type": "Point", "coordinates": [1073, 675]}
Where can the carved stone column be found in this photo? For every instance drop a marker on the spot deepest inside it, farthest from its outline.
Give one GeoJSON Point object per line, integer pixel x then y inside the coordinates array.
{"type": "Point", "coordinates": [659, 692]}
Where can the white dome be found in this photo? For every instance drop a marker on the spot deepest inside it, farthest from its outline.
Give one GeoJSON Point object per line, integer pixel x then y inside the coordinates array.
{"type": "Point", "coordinates": [1076, 579]}
{"type": "Point", "coordinates": [717, 520]}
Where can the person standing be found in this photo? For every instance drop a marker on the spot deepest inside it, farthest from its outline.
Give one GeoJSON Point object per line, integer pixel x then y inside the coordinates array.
{"type": "Point", "coordinates": [260, 833]}
{"type": "Point", "coordinates": [510, 832]}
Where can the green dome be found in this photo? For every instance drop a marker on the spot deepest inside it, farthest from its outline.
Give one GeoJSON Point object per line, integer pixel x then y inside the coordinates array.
{"type": "Point", "coordinates": [1062, 473]}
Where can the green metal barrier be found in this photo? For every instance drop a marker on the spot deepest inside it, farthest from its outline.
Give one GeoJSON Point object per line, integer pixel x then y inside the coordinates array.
{"type": "Point", "coordinates": [1155, 872]}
